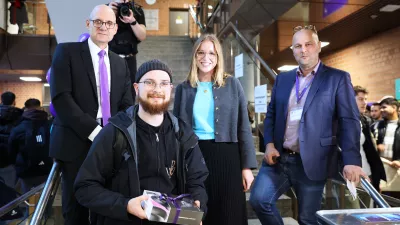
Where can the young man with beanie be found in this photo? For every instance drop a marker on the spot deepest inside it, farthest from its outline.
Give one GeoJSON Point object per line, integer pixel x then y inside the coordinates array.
{"type": "Point", "coordinates": [143, 148]}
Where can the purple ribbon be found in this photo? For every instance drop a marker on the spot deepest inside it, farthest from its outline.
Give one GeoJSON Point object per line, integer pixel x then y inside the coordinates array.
{"type": "Point", "coordinates": [165, 197]}
{"type": "Point", "coordinates": [298, 94]}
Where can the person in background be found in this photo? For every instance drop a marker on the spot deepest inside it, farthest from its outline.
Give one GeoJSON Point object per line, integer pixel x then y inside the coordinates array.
{"type": "Point", "coordinates": [131, 31]}
{"type": "Point", "coordinates": [371, 162]}
{"type": "Point", "coordinates": [10, 116]}
{"type": "Point", "coordinates": [29, 146]}
{"type": "Point", "coordinates": [214, 104]}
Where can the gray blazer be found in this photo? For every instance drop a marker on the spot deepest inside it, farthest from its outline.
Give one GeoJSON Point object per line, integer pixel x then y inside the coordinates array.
{"type": "Point", "coordinates": [231, 122]}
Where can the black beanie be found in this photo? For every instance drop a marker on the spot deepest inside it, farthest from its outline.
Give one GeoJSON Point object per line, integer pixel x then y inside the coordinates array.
{"type": "Point", "coordinates": [153, 64]}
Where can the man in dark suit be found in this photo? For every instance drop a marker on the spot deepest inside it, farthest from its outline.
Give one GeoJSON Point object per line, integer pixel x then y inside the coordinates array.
{"type": "Point", "coordinates": [312, 110]}
{"type": "Point", "coordinates": [89, 84]}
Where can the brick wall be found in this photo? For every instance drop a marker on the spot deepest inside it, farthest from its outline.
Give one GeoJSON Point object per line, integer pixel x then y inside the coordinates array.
{"type": "Point", "coordinates": [373, 63]}
{"type": "Point", "coordinates": [23, 91]}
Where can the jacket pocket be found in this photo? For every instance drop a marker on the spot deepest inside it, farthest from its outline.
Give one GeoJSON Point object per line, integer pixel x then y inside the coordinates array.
{"type": "Point", "coordinates": [327, 141]}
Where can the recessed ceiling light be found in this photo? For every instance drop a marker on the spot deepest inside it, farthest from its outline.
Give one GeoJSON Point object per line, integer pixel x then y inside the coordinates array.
{"type": "Point", "coordinates": [287, 67]}
{"type": "Point", "coordinates": [389, 8]}
{"type": "Point", "coordinates": [46, 85]}
{"type": "Point", "coordinates": [323, 44]}
{"type": "Point", "coordinates": [30, 79]}
{"type": "Point", "coordinates": [210, 7]}
{"type": "Point", "coordinates": [374, 16]}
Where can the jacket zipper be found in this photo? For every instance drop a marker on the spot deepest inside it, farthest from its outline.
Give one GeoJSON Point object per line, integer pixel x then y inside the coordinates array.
{"type": "Point", "coordinates": [158, 157]}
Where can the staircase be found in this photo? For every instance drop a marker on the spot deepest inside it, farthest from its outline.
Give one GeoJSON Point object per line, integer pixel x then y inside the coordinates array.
{"type": "Point", "coordinates": [173, 50]}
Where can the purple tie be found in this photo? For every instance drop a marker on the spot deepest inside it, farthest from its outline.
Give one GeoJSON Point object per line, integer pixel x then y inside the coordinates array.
{"type": "Point", "coordinates": [105, 99]}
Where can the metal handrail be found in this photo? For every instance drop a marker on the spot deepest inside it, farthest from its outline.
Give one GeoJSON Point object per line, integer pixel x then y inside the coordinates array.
{"type": "Point", "coordinates": [193, 13]}
{"type": "Point", "coordinates": [21, 199]}
{"type": "Point", "coordinates": [248, 45]}
{"type": "Point", "coordinates": [52, 182]}
{"type": "Point", "coordinates": [373, 193]}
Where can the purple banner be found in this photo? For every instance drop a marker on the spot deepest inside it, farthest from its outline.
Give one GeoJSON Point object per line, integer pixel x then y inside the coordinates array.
{"type": "Point", "coordinates": [331, 6]}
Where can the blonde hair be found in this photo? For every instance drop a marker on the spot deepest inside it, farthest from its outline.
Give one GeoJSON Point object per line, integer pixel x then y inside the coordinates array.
{"type": "Point", "coordinates": [219, 75]}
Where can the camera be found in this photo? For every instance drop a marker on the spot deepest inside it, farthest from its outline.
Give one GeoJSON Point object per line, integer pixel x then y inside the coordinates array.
{"type": "Point", "coordinates": [123, 8]}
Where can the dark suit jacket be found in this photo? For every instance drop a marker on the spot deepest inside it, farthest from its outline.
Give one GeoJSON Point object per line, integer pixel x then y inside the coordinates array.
{"type": "Point", "coordinates": [74, 96]}
{"type": "Point", "coordinates": [330, 118]}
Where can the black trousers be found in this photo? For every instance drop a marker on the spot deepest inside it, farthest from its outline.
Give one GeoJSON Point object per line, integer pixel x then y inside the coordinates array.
{"type": "Point", "coordinates": [131, 61]}
{"type": "Point", "coordinates": [73, 212]}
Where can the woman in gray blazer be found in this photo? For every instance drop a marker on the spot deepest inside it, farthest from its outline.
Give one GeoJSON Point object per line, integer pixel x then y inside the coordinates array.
{"type": "Point", "coordinates": [213, 102]}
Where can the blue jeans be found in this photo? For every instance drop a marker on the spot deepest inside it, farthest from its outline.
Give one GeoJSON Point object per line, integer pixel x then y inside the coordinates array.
{"type": "Point", "coordinates": [273, 181]}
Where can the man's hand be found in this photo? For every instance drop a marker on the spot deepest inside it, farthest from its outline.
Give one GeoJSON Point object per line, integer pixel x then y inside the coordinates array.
{"type": "Point", "coordinates": [114, 7]}
{"type": "Point", "coordinates": [353, 173]}
{"type": "Point", "coordinates": [197, 203]}
{"type": "Point", "coordinates": [270, 153]}
{"type": "Point", "coordinates": [381, 147]}
{"type": "Point", "coordinates": [247, 179]}
{"type": "Point", "coordinates": [395, 164]}
{"type": "Point", "coordinates": [128, 19]}
{"type": "Point", "coordinates": [135, 208]}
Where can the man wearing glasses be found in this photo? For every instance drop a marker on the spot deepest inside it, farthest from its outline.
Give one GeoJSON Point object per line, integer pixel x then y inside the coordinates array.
{"type": "Point", "coordinates": [143, 148]}
{"type": "Point", "coordinates": [88, 85]}
{"type": "Point", "coordinates": [312, 112]}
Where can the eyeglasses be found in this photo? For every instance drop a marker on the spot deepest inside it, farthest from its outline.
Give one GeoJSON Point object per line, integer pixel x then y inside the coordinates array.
{"type": "Point", "coordinates": [152, 85]}
{"type": "Point", "coordinates": [308, 27]}
{"type": "Point", "coordinates": [99, 23]}
{"type": "Point", "coordinates": [201, 54]}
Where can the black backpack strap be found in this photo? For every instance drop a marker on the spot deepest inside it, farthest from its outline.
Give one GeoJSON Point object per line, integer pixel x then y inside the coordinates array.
{"type": "Point", "coordinates": [120, 144]}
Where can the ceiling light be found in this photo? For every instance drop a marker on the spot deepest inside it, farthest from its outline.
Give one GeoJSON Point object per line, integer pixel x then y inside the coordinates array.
{"type": "Point", "coordinates": [323, 44]}
{"type": "Point", "coordinates": [389, 8]}
{"type": "Point", "coordinates": [210, 7]}
{"type": "Point", "coordinates": [287, 67]}
{"type": "Point", "coordinates": [30, 79]}
{"type": "Point", "coordinates": [46, 85]}
{"type": "Point", "coordinates": [209, 14]}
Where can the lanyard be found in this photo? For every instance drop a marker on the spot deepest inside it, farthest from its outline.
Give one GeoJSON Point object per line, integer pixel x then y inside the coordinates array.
{"type": "Point", "coordinates": [298, 94]}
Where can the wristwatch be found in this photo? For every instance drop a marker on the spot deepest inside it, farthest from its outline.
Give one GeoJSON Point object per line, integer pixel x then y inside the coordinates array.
{"type": "Point", "coordinates": [134, 23]}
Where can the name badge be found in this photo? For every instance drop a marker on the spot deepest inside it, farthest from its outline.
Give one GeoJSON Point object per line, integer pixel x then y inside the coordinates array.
{"type": "Point", "coordinates": [295, 114]}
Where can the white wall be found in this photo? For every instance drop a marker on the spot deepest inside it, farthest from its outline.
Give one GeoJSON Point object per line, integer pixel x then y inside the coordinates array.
{"type": "Point", "coordinates": [69, 17]}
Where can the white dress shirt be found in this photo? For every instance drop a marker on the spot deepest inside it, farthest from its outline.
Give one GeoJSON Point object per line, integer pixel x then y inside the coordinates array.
{"type": "Point", "coordinates": [94, 51]}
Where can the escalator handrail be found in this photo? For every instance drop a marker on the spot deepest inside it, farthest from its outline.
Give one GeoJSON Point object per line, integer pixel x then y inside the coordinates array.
{"type": "Point", "coordinates": [372, 192]}
{"type": "Point", "coordinates": [21, 199]}
{"type": "Point", "coordinates": [248, 45]}
{"type": "Point", "coordinates": [51, 183]}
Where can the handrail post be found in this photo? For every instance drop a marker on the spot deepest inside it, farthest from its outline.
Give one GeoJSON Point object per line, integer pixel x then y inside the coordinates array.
{"type": "Point", "coordinates": [51, 182]}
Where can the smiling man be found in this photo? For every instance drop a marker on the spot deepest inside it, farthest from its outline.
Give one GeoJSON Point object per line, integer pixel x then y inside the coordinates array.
{"type": "Point", "coordinates": [312, 111]}
{"type": "Point", "coordinates": [143, 148]}
{"type": "Point", "coordinates": [88, 85]}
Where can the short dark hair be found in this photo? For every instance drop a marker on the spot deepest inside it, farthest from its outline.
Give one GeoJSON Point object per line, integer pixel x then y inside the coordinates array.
{"type": "Point", "coordinates": [376, 104]}
{"type": "Point", "coordinates": [7, 98]}
{"type": "Point", "coordinates": [359, 89]}
{"type": "Point", "coordinates": [32, 103]}
{"type": "Point", "coordinates": [390, 101]}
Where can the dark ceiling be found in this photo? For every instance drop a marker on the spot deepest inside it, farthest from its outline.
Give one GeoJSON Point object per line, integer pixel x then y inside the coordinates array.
{"type": "Point", "coordinates": [353, 28]}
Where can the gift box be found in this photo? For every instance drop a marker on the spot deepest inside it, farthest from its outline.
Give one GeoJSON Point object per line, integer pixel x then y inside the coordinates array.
{"type": "Point", "coordinates": [171, 209]}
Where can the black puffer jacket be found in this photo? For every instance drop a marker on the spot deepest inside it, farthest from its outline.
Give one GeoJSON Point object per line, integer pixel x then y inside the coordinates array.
{"type": "Point", "coordinates": [106, 192]}
{"type": "Point", "coordinates": [9, 118]}
{"type": "Point", "coordinates": [23, 154]}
